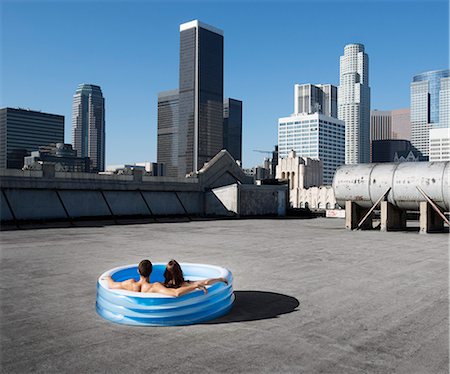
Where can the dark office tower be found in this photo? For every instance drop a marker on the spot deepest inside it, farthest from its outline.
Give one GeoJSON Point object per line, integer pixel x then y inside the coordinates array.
{"type": "Point", "coordinates": [168, 132]}
{"type": "Point", "coordinates": [200, 95]}
{"type": "Point", "coordinates": [23, 131]}
{"type": "Point", "coordinates": [232, 127]}
{"type": "Point", "coordinates": [88, 124]}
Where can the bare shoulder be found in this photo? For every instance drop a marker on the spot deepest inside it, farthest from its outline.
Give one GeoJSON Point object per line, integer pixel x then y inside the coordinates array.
{"type": "Point", "coordinates": [131, 285]}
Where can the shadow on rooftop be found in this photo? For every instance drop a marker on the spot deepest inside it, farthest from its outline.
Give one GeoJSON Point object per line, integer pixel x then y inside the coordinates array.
{"type": "Point", "coordinates": [257, 305]}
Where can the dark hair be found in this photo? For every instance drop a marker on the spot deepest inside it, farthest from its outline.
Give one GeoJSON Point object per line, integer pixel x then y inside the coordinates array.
{"type": "Point", "coordinates": [145, 268]}
{"type": "Point", "coordinates": [173, 275]}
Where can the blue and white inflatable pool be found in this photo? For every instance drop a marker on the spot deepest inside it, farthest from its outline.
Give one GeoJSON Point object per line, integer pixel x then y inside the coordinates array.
{"type": "Point", "coordinates": [153, 309]}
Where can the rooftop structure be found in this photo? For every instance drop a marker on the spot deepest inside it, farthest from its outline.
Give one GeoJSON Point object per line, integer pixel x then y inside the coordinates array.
{"type": "Point", "coordinates": [346, 303]}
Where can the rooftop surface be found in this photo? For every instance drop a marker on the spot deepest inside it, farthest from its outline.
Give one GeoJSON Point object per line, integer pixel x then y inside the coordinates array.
{"type": "Point", "coordinates": [311, 297]}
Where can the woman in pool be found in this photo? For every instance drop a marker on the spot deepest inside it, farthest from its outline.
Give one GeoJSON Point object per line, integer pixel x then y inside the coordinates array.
{"type": "Point", "coordinates": [173, 277]}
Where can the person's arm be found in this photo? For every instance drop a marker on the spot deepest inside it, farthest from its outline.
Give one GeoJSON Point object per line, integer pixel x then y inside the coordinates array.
{"type": "Point", "coordinates": [160, 288]}
{"type": "Point", "coordinates": [129, 285]}
{"type": "Point", "coordinates": [208, 282]}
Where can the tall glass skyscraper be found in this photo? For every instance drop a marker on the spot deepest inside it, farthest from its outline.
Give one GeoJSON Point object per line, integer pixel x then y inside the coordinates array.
{"type": "Point", "coordinates": [200, 133]}
{"type": "Point", "coordinates": [167, 150]}
{"type": "Point", "coordinates": [232, 127]}
{"type": "Point", "coordinates": [88, 125]}
{"type": "Point", "coordinates": [426, 91]}
{"type": "Point", "coordinates": [354, 103]}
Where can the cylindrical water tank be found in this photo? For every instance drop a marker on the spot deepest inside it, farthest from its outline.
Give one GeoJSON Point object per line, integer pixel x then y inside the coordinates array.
{"type": "Point", "coordinates": [365, 183]}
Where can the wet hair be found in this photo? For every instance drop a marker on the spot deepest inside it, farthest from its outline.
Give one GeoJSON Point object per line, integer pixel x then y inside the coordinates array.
{"type": "Point", "coordinates": [145, 268]}
{"type": "Point", "coordinates": [173, 275]}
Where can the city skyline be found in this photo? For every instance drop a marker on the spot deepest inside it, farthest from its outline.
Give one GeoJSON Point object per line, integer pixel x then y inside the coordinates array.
{"type": "Point", "coordinates": [132, 131]}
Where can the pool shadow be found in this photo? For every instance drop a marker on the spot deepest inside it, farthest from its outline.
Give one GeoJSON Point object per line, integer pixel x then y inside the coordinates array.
{"type": "Point", "coordinates": [257, 305]}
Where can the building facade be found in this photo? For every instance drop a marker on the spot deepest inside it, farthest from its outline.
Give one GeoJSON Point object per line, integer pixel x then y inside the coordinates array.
{"type": "Point", "coordinates": [232, 128]}
{"type": "Point", "coordinates": [320, 98]}
{"type": "Point", "coordinates": [168, 120]}
{"type": "Point", "coordinates": [354, 103]}
{"type": "Point", "coordinates": [381, 125]}
{"type": "Point", "coordinates": [444, 103]}
{"type": "Point", "coordinates": [23, 131]}
{"type": "Point", "coordinates": [401, 123]}
{"type": "Point", "coordinates": [316, 136]}
{"type": "Point", "coordinates": [440, 144]}
{"type": "Point", "coordinates": [384, 150]}
{"type": "Point", "coordinates": [200, 133]}
{"type": "Point", "coordinates": [425, 106]}
{"type": "Point", "coordinates": [300, 172]}
{"type": "Point", "coordinates": [88, 125]}
{"type": "Point", "coordinates": [63, 156]}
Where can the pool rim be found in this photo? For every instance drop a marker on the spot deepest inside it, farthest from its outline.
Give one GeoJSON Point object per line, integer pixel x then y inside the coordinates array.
{"type": "Point", "coordinates": [223, 273]}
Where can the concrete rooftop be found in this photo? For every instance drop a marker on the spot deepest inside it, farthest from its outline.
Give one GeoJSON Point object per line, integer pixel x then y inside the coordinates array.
{"type": "Point", "coordinates": [311, 298]}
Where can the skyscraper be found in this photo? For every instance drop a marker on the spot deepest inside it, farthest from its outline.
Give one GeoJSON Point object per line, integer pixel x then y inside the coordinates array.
{"type": "Point", "coordinates": [167, 149]}
{"type": "Point", "coordinates": [232, 127]}
{"type": "Point", "coordinates": [311, 98]}
{"type": "Point", "coordinates": [425, 106]}
{"type": "Point", "coordinates": [401, 123]}
{"type": "Point", "coordinates": [354, 103]}
{"type": "Point", "coordinates": [316, 136]}
{"type": "Point", "coordinates": [88, 124]}
{"type": "Point", "coordinates": [23, 131]}
{"type": "Point", "coordinates": [200, 133]}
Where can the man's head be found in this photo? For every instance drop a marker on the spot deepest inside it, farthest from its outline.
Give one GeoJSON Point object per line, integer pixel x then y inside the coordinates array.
{"type": "Point", "coordinates": [145, 268]}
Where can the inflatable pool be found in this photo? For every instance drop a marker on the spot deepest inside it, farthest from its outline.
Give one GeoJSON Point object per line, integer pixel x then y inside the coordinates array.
{"type": "Point", "coordinates": [153, 309]}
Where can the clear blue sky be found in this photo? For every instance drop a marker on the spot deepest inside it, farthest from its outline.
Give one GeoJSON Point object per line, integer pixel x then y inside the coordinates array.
{"type": "Point", "coordinates": [130, 49]}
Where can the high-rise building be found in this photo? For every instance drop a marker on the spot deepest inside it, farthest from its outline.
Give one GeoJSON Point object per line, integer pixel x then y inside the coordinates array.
{"type": "Point", "coordinates": [316, 136]}
{"type": "Point", "coordinates": [232, 127]}
{"type": "Point", "coordinates": [315, 98]}
{"type": "Point", "coordinates": [23, 131]}
{"type": "Point", "coordinates": [200, 132]}
{"type": "Point", "coordinates": [444, 103]}
{"type": "Point", "coordinates": [380, 125]}
{"type": "Point", "coordinates": [88, 124]}
{"type": "Point", "coordinates": [354, 103]}
{"type": "Point", "coordinates": [440, 144]}
{"type": "Point", "coordinates": [167, 148]}
{"type": "Point", "coordinates": [425, 106]}
{"type": "Point", "coordinates": [401, 123]}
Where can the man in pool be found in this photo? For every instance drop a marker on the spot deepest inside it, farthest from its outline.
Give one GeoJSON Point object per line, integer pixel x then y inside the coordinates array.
{"type": "Point", "coordinates": [145, 268]}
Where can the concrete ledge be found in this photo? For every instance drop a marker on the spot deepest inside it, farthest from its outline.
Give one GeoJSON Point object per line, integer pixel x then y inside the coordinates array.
{"type": "Point", "coordinates": [5, 212]}
{"type": "Point", "coordinates": [164, 203]}
{"type": "Point", "coordinates": [84, 203]}
{"type": "Point", "coordinates": [126, 203]}
{"type": "Point", "coordinates": [35, 204]}
{"type": "Point", "coordinates": [192, 202]}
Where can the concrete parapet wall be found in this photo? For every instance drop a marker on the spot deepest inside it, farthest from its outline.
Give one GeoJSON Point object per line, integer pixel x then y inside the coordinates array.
{"type": "Point", "coordinates": [79, 203]}
{"type": "Point", "coordinates": [50, 195]}
{"type": "Point", "coordinates": [27, 204]}
{"type": "Point", "coordinates": [126, 203]}
{"type": "Point", "coordinates": [164, 203]}
{"type": "Point", "coordinates": [262, 200]}
{"type": "Point", "coordinates": [247, 200]}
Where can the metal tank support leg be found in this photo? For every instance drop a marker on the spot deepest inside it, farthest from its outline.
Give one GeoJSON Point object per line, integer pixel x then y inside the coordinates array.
{"type": "Point", "coordinates": [353, 216]}
{"type": "Point", "coordinates": [430, 220]}
{"type": "Point", "coordinates": [392, 218]}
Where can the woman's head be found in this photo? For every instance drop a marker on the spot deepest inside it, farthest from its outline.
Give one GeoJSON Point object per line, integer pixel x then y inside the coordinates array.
{"type": "Point", "coordinates": [173, 275]}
